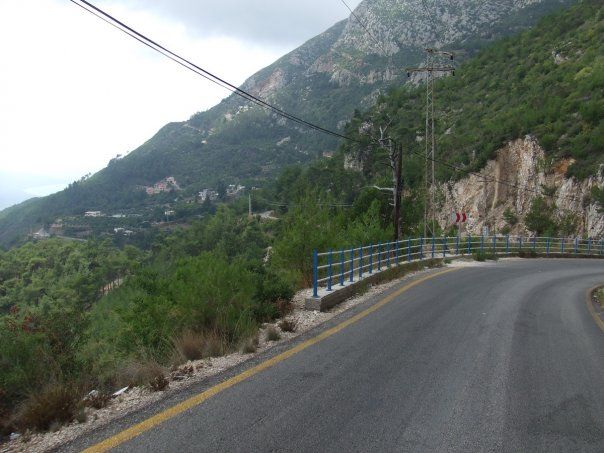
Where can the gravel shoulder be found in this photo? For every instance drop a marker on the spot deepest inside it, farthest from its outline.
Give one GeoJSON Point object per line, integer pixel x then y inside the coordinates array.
{"type": "Point", "coordinates": [597, 303]}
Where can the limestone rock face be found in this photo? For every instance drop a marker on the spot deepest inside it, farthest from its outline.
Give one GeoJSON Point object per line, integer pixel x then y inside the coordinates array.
{"type": "Point", "coordinates": [525, 173]}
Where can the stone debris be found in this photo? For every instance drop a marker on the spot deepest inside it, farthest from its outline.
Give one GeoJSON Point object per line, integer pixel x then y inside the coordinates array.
{"type": "Point", "coordinates": [120, 392]}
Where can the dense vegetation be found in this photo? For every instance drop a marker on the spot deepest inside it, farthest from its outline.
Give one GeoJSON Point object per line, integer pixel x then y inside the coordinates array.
{"type": "Point", "coordinates": [83, 315]}
{"type": "Point", "coordinates": [548, 82]}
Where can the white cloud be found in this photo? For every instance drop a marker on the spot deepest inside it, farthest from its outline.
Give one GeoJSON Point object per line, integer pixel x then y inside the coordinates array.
{"type": "Point", "coordinates": [75, 91]}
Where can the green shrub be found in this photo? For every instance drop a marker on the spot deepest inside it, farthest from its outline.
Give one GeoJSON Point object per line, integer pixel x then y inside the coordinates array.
{"type": "Point", "coordinates": [483, 256]}
{"type": "Point", "coordinates": [510, 217]}
{"type": "Point", "coordinates": [540, 218]}
{"type": "Point", "coordinates": [479, 256]}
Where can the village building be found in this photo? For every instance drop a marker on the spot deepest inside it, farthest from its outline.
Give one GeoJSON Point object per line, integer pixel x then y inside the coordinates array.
{"type": "Point", "coordinates": [208, 194]}
{"type": "Point", "coordinates": [167, 184]}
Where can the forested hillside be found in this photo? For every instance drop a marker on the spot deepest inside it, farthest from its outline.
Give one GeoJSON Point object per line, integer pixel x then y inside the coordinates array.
{"type": "Point", "coordinates": [323, 81]}
{"type": "Point", "coordinates": [547, 82]}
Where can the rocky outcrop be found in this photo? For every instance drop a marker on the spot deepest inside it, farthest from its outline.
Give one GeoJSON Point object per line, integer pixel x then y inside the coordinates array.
{"type": "Point", "coordinates": [525, 173]}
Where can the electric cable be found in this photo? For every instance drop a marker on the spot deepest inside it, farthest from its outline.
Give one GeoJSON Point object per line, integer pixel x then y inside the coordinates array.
{"type": "Point", "coordinates": [106, 17]}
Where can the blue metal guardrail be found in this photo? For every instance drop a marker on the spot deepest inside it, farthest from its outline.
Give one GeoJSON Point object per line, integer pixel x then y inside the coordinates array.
{"type": "Point", "coordinates": [339, 267]}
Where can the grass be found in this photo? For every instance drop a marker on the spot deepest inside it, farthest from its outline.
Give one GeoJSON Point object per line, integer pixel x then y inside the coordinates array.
{"type": "Point", "coordinates": [250, 345]}
{"type": "Point", "coordinates": [288, 325]}
{"type": "Point", "coordinates": [215, 345]}
{"type": "Point", "coordinates": [54, 405]}
{"type": "Point", "coordinates": [284, 307]}
{"type": "Point", "coordinates": [272, 334]}
{"type": "Point", "coordinates": [81, 416]}
{"type": "Point", "coordinates": [527, 254]}
{"type": "Point", "coordinates": [483, 256]}
{"type": "Point", "coordinates": [136, 374]}
{"type": "Point", "coordinates": [190, 345]}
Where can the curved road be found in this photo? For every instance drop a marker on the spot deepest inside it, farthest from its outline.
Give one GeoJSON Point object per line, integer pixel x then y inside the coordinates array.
{"type": "Point", "coordinates": [502, 357]}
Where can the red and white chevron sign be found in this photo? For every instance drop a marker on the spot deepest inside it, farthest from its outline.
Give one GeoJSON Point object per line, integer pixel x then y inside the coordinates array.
{"type": "Point", "coordinates": [460, 217]}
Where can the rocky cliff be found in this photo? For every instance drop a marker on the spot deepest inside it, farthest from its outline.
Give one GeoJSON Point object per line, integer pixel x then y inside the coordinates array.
{"type": "Point", "coordinates": [527, 173]}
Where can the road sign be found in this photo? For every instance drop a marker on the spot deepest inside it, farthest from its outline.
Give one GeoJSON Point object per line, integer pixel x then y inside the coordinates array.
{"type": "Point", "coordinates": [460, 217]}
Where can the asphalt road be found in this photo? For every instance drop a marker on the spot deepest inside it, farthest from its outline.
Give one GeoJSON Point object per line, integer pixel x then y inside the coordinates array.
{"type": "Point", "coordinates": [504, 357]}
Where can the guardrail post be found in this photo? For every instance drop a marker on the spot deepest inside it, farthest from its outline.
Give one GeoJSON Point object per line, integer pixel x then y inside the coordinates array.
{"type": "Point", "coordinates": [342, 267]}
{"type": "Point", "coordinates": [469, 244]}
{"type": "Point", "coordinates": [433, 246]}
{"type": "Point", "coordinates": [444, 246]}
{"type": "Point", "coordinates": [408, 249]}
{"type": "Point", "coordinates": [421, 248]}
{"type": "Point", "coordinates": [329, 269]}
{"type": "Point", "coordinates": [507, 244]}
{"type": "Point", "coordinates": [589, 246]}
{"type": "Point", "coordinates": [534, 243]}
{"type": "Point", "coordinates": [315, 274]}
{"type": "Point", "coordinates": [371, 258]}
{"type": "Point", "coordinates": [457, 245]}
{"type": "Point", "coordinates": [351, 277]}
{"type": "Point", "coordinates": [548, 246]}
{"type": "Point", "coordinates": [379, 256]}
{"type": "Point", "coordinates": [520, 240]}
{"type": "Point", "coordinates": [494, 245]}
{"type": "Point", "coordinates": [576, 245]}
{"type": "Point", "coordinates": [601, 246]}
{"type": "Point", "coordinates": [361, 261]}
{"type": "Point", "coordinates": [482, 244]}
{"type": "Point", "coordinates": [561, 245]}
{"type": "Point", "coordinates": [388, 254]}
{"type": "Point", "coordinates": [396, 250]}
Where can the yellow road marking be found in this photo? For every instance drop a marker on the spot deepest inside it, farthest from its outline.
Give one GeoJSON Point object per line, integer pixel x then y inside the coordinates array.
{"type": "Point", "coordinates": [151, 422]}
{"type": "Point", "coordinates": [590, 307]}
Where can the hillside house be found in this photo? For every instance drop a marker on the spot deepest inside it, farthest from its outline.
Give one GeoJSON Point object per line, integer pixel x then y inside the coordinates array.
{"type": "Point", "coordinates": [167, 184]}
{"type": "Point", "coordinates": [234, 190]}
{"type": "Point", "coordinates": [41, 234]}
{"type": "Point", "coordinates": [208, 194]}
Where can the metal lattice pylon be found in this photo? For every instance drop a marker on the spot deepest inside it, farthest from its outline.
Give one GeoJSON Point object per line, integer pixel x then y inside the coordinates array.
{"type": "Point", "coordinates": [430, 69]}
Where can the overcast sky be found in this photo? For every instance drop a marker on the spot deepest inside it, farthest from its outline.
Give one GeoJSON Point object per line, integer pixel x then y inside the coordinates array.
{"type": "Point", "coordinates": [75, 92]}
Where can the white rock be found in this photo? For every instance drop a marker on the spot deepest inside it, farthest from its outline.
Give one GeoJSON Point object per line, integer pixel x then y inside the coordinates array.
{"type": "Point", "coordinates": [120, 392]}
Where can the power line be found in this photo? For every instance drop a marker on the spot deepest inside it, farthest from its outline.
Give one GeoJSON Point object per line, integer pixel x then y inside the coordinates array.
{"type": "Point", "coordinates": [197, 69]}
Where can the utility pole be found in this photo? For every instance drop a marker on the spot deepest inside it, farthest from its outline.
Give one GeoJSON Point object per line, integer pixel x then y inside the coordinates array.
{"type": "Point", "coordinates": [395, 155]}
{"type": "Point", "coordinates": [430, 69]}
{"type": "Point", "coordinates": [398, 192]}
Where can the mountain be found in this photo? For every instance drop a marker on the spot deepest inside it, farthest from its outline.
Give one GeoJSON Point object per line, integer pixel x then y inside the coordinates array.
{"type": "Point", "coordinates": [324, 81]}
{"type": "Point", "coordinates": [528, 112]}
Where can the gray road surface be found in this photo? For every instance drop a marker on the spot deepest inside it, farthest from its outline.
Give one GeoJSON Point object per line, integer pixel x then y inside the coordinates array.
{"type": "Point", "coordinates": [503, 357]}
